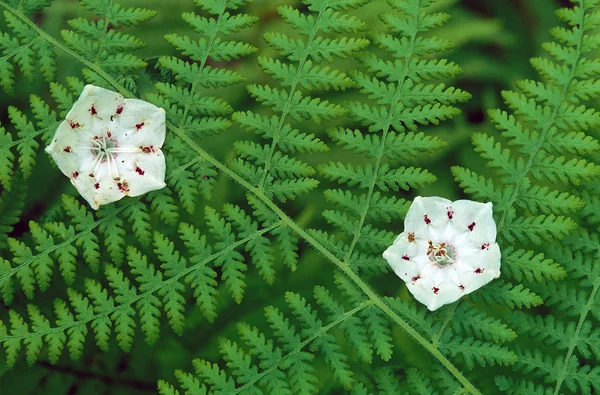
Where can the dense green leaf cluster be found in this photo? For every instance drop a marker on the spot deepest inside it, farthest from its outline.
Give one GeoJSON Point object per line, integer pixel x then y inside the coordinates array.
{"type": "Point", "coordinates": [372, 93]}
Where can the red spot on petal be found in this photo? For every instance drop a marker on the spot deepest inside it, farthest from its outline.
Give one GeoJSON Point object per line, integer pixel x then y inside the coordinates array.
{"type": "Point", "coordinates": [435, 290]}
{"type": "Point", "coordinates": [74, 125]}
{"type": "Point", "coordinates": [139, 171]}
{"type": "Point", "coordinates": [123, 187]}
{"type": "Point", "coordinates": [411, 237]}
{"type": "Point", "coordinates": [147, 150]}
{"type": "Point", "coordinates": [426, 219]}
{"type": "Point", "coordinates": [461, 287]}
{"type": "Point", "coordinates": [479, 270]}
{"type": "Point", "coordinates": [97, 186]}
{"type": "Point", "coordinates": [67, 149]}
{"type": "Point", "coordinates": [138, 126]}
{"type": "Point", "coordinates": [93, 110]}
{"type": "Point", "coordinates": [486, 246]}
{"type": "Point", "coordinates": [450, 214]}
{"type": "Point", "coordinates": [91, 174]}
{"type": "Point", "coordinates": [406, 257]}
{"type": "Point", "coordinates": [415, 278]}
{"type": "Point", "coordinates": [472, 226]}
{"type": "Point", "coordinates": [119, 109]}
{"type": "Point", "coordinates": [75, 175]}
{"type": "Point", "coordinates": [108, 133]}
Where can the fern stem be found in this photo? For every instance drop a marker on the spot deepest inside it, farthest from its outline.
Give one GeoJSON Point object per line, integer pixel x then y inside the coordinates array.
{"type": "Point", "coordinates": [381, 149]}
{"type": "Point", "coordinates": [376, 299]}
{"type": "Point", "coordinates": [143, 295]}
{"type": "Point", "coordinates": [574, 339]}
{"type": "Point", "coordinates": [436, 339]}
{"type": "Point", "coordinates": [293, 86]}
{"type": "Point", "coordinates": [306, 342]}
{"type": "Point", "coordinates": [21, 48]}
{"type": "Point", "coordinates": [103, 38]}
{"type": "Point", "coordinates": [211, 41]}
{"type": "Point", "coordinates": [542, 138]}
{"type": "Point", "coordinates": [29, 137]}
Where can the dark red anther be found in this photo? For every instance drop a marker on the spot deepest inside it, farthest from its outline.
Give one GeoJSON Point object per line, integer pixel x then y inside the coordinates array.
{"type": "Point", "coordinates": [472, 226]}
{"type": "Point", "coordinates": [426, 219]}
{"type": "Point", "coordinates": [67, 149]}
{"type": "Point", "coordinates": [139, 171]}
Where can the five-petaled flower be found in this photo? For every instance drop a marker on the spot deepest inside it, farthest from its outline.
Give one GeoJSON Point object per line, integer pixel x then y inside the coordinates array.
{"type": "Point", "coordinates": [109, 146]}
{"type": "Point", "coordinates": [447, 250]}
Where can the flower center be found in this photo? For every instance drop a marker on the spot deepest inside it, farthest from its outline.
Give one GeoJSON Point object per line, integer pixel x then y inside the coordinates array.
{"type": "Point", "coordinates": [105, 150]}
{"type": "Point", "coordinates": [441, 253]}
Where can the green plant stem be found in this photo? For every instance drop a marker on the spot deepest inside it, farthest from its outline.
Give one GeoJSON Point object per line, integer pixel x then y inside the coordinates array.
{"type": "Point", "coordinates": [344, 267]}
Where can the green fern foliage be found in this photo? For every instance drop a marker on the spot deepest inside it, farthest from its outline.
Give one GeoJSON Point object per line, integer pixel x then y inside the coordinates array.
{"type": "Point", "coordinates": [404, 96]}
{"type": "Point", "coordinates": [325, 35]}
{"type": "Point", "coordinates": [568, 361]}
{"type": "Point", "coordinates": [547, 133]}
{"type": "Point", "coordinates": [24, 48]}
{"type": "Point", "coordinates": [143, 289]}
{"type": "Point", "coordinates": [100, 42]}
{"type": "Point", "coordinates": [283, 365]}
{"type": "Point", "coordinates": [188, 107]}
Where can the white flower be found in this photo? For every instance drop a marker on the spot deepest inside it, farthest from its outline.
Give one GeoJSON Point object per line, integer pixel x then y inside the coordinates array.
{"type": "Point", "coordinates": [109, 147]}
{"type": "Point", "coordinates": [447, 250]}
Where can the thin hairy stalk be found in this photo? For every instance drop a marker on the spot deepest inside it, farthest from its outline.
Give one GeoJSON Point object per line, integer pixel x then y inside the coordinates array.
{"type": "Point", "coordinates": [306, 342]}
{"type": "Point", "coordinates": [287, 221]}
{"type": "Point", "coordinates": [149, 292]}
{"type": "Point", "coordinates": [21, 48]}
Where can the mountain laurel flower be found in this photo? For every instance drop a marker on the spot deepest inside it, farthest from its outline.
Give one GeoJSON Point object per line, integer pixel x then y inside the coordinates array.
{"type": "Point", "coordinates": [109, 147]}
{"type": "Point", "coordinates": [447, 250]}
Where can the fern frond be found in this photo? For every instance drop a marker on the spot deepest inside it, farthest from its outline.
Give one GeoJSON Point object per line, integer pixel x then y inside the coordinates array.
{"type": "Point", "coordinates": [299, 75]}
{"type": "Point", "coordinates": [187, 106]}
{"type": "Point", "coordinates": [283, 364]}
{"type": "Point", "coordinates": [147, 292]}
{"type": "Point", "coordinates": [24, 48]}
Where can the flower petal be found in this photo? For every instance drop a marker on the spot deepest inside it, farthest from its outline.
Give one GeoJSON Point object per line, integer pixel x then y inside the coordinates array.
{"type": "Point", "coordinates": [426, 213]}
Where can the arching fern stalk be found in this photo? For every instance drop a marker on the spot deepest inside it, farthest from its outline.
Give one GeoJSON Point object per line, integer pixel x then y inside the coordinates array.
{"type": "Point", "coordinates": [271, 365]}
